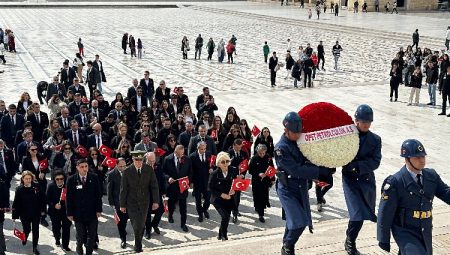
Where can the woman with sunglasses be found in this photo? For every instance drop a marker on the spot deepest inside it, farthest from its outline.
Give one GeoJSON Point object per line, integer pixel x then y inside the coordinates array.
{"type": "Point", "coordinates": [222, 197]}
{"type": "Point", "coordinates": [95, 160]}
{"type": "Point", "coordinates": [50, 130]}
{"type": "Point", "coordinates": [131, 112]}
{"type": "Point", "coordinates": [245, 130]}
{"type": "Point", "coordinates": [154, 109]}
{"type": "Point", "coordinates": [66, 159]}
{"type": "Point", "coordinates": [166, 110]}
{"type": "Point", "coordinates": [235, 133]}
{"type": "Point", "coordinates": [123, 151]}
{"type": "Point", "coordinates": [171, 143]}
{"type": "Point", "coordinates": [143, 116]}
{"type": "Point", "coordinates": [31, 162]}
{"type": "Point", "coordinates": [29, 206]}
{"type": "Point", "coordinates": [178, 126]}
{"type": "Point", "coordinates": [229, 121]}
{"type": "Point", "coordinates": [53, 146]}
{"type": "Point", "coordinates": [57, 211]}
{"type": "Point", "coordinates": [145, 127]}
{"type": "Point", "coordinates": [204, 120]}
{"type": "Point", "coordinates": [217, 127]}
{"type": "Point", "coordinates": [118, 98]}
{"type": "Point", "coordinates": [260, 182]}
{"type": "Point", "coordinates": [156, 126]}
{"type": "Point", "coordinates": [265, 138]}
{"type": "Point", "coordinates": [188, 114]}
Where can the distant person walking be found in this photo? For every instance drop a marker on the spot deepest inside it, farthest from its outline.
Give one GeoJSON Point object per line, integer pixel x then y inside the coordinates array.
{"type": "Point", "coordinates": [124, 43]}
{"type": "Point", "coordinates": [336, 10]}
{"type": "Point", "coordinates": [221, 50]}
{"type": "Point", "coordinates": [266, 51]}
{"type": "Point", "coordinates": [415, 38]}
{"type": "Point", "coordinates": [185, 46]}
{"type": "Point", "coordinates": [198, 46]}
{"type": "Point", "coordinates": [337, 54]}
{"type": "Point", "coordinates": [273, 66]}
{"type": "Point", "coordinates": [80, 47]}
{"type": "Point", "coordinates": [394, 8]}
{"type": "Point", "coordinates": [447, 38]}
{"type": "Point", "coordinates": [377, 5]}
{"type": "Point", "coordinates": [139, 48]}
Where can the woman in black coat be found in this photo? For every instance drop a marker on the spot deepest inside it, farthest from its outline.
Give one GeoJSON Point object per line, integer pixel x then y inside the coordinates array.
{"type": "Point", "coordinates": [220, 133]}
{"type": "Point", "coordinates": [32, 163]}
{"type": "Point", "coordinates": [222, 197]}
{"type": "Point", "coordinates": [233, 134]}
{"type": "Point", "coordinates": [28, 206]}
{"type": "Point", "coordinates": [396, 77]}
{"type": "Point", "coordinates": [95, 161]}
{"type": "Point", "coordinates": [65, 160]}
{"type": "Point", "coordinates": [265, 138]}
{"type": "Point", "coordinates": [416, 85]}
{"type": "Point", "coordinates": [57, 210]}
{"type": "Point", "coordinates": [260, 182]}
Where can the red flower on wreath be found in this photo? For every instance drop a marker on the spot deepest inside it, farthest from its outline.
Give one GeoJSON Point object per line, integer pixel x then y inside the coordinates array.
{"type": "Point", "coordinates": [323, 115]}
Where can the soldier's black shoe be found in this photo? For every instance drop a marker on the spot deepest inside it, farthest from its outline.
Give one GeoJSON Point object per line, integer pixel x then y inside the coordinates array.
{"type": "Point", "coordinates": [287, 250]}
{"type": "Point", "coordinates": [261, 219]}
{"type": "Point", "coordinates": [235, 219]}
{"type": "Point", "coordinates": [96, 246]}
{"type": "Point", "coordinates": [206, 214]}
{"type": "Point", "coordinates": [157, 231]}
{"type": "Point", "coordinates": [442, 113]}
{"type": "Point", "coordinates": [123, 244]}
{"type": "Point", "coordinates": [36, 251]}
{"type": "Point", "coordinates": [57, 242]}
{"type": "Point", "coordinates": [148, 235]}
{"type": "Point", "coordinates": [350, 247]}
{"type": "Point", "coordinates": [138, 250]}
{"type": "Point", "coordinates": [185, 228]}
{"type": "Point", "coordinates": [171, 219]}
{"type": "Point", "coordinates": [200, 218]}
{"type": "Point", "coordinates": [66, 248]}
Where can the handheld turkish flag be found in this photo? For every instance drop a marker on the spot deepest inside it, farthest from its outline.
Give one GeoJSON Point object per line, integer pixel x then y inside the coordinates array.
{"type": "Point", "coordinates": [105, 150]}
{"type": "Point", "coordinates": [212, 161]}
{"type": "Point", "coordinates": [214, 134]}
{"type": "Point", "coordinates": [247, 144]}
{"type": "Point", "coordinates": [109, 162]}
{"type": "Point", "coordinates": [166, 207]}
{"type": "Point", "coordinates": [271, 171]}
{"type": "Point", "coordinates": [243, 166]}
{"type": "Point", "coordinates": [184, 184]}
{"type": "Point", "coordinates": [240, 184]}
{"type": "Point", "coordinates": [58, 147]}
{"type": "Point", "coordinates": [43, 165]}
{"type": "Point", "coordinates": [255, 131]}
{"type": "Point", "coordinates": [85, 100]}
{"type": "Point", "coordinates": [160, 152]}
{"type": "Point", "coordinates": [82, 151]}
{"type": "Point", "coordinates": [19, 234]}
{"type": "Point", "coordinates": [175, 90]}
{"type": "Point", "coordinates": [116, 218]}
{"type": "Point", "coordinates": [320, 183]}
{"type": "Point", "coordinates": [63, 195]}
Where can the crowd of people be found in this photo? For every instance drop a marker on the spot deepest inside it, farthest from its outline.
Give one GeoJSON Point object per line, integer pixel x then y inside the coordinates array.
{"type": "Point", "coordinates": [305, 64]}
{"type": "Point", "coordinates": [415, 67]}
{"type": "Point", "coordinates": [222, 50]}
{"type": "Point", "coordinates": [64, 171]}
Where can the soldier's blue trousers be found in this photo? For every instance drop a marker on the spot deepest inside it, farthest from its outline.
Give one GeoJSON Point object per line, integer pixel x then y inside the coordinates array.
{"type": "Point", "coordinates": [291, 236]}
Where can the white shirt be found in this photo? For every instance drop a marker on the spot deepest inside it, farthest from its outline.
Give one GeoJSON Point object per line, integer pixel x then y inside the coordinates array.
{"type": "Point", "coordinates": [414, 175]}
{"type": "Point", "coordinates": [4, 163]}
{"type": "Point", "coordinates": [138, 103]}
{"type": "Point", "coordinates": [448, 34]}
{"type": "Point", "coordinates": [225, 174]}
{"type": "Point", "coordinates": [289, 46]}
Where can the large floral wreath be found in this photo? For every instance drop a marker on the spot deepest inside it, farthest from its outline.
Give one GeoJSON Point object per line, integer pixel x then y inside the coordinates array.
{"type": "Point", "coordinates": [329, 137]}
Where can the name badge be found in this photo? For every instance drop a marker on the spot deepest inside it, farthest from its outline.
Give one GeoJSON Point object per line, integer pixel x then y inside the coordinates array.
{"type": "Point", "coordinates": [80, 186]}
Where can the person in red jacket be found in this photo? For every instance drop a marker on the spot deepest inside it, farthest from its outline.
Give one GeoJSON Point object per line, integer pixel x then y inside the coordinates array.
{"type": "Point", "coordinates": [230, 49]}
{"type": "Point", "coordinates": [315, 60]}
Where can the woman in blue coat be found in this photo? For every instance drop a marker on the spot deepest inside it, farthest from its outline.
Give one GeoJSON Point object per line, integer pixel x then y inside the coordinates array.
{"type": "Point", "coordinates": [358, 178]}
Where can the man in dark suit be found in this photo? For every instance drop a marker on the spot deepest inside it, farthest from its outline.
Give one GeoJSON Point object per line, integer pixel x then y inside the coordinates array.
{"type": "Point", "coordinates": [92, 78]}
{"type": "Point", "coordinates": [200, 177]}
{"type": "Point", "coordinates": [84, 205]}
{"type": "Point", "coordinates": [237, 155]}
{"type": "Point", "coordinates": [177, 166]}
{"type": "Point", "coordinates": [103, 104]}
{"type": "Point", "coordinates": [152, 161]}
{"type": "Point", "coordinates": [185, 137]}
{"type": "Point", "coordinates": [83, 117]}
{"type": "Point", "coordinates": [182, 98]}
{"type": "Point", "coordinates": [96, 111]}
{"type": "Point", "coordinates": [3, 110]}
{"type": "Point", "coordinates": [132, 91]}
{"type": "Point", "coordinates": [8, 166]}
{"type": "Point", "coordinates": [208, 106]}
{"type": "Point", "coordinates": [98, 137]}
{"type": "Point", "coordinates": [273, 62]}
{"type": "Point", "coordinates": [147, 85]}
{"type": "Point", "coordinates": [139, 100]}
{"type": "Point", "coordinates": [146, 143]}
{"type": "Point", "coordinates": [98, 64]}
{"type": "Point", "coordinates": [162, 92]}
{"type": "Point", "coordinates": [114, 180]}
{"type": "Point", "coordinates": [201, 98]}
{"type": "Point", "coordinates": [75, 135]}
{"type": "Point", "coordinates": [39, 120]}
{"type": "Point", "coordinates": [10, 124]}
{"type": "Point", "coordinates": [55, 88]}
{"type": "Point", "coordinates": [65, 119]}
{"type": "Point", "coordinates": [67, 74]}
{"type": "Point", "coordinates": [74, 106]}
{"type": "Point", "coordinates": [202, 136]}
{"type": "Point", "coordinates": [76, 87]}
{"type": "Point", "coordinates": [118, 111]}
{"type": "Point", "coordinates": [139, 183]}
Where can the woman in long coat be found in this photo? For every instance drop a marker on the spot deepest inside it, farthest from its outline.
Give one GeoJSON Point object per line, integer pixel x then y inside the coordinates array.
{"type": "Point", "coordinates": [260, 182]}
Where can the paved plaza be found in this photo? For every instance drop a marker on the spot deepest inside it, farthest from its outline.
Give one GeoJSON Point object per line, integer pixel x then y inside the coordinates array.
{"type": "Point", "coordinates": [47, 36]}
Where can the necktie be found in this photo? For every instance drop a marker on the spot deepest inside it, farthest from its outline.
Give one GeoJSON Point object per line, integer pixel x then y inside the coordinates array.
{"type": "Point", "coordinates": [145, 147]}
{"type": "Point", "coordinates": [98, 141]}
{"type": "Point", "coordinates": [67, 71]}
{"type": "Point", "coordinates": [83, 180]}
{"type": "Point", "coordinates": [38, 119]}
{"type": "Point", "coordinates": [139, 171]}
{"type": "Point", "coordinates": [2, 164]}
{"type": "Point", "coordinates": [75, 138]}
{"type": "Point", "coordinates": [203, 158]}
{"type": "Point", "coordinates": [419, 181]}
{"type": "Point", "coordinates": [13, 121]}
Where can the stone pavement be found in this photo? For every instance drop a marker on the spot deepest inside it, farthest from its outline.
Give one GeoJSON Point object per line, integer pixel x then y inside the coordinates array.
{"type": "Point", "coordinates": [45, 37]}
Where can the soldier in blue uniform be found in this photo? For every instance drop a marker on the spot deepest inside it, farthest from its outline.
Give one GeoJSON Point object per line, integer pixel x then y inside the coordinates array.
{"type": "Point", "coordinates": [358, 178]}
{"type": "Point", "coordinates": [292, 184]}
{"type": "Point", "coordinates": [407, 201]}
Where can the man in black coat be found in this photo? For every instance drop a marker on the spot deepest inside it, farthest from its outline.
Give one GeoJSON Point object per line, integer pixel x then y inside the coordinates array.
{"type": "Point", "coordinates": [74, 106]}
{"type": "Point", "coordinates": [10, 124]}
{"type": "Point", "coordinates": [98, 137]}
{"type": "Point", "coordinates": [148, 86]}
{"type": "Point", "coordinates": [65, 119]}
{"type": "Point", "coordinates": [67, 74]}
{"type": "Point", "coordinates": [55, 88]}
{"type": "Point", "coordinates": [273, 62]}
{"type": "Point", "coordinates": [98, 64]}
{"type": "Point", "coordinates": [84, 205]}
{"type": "Point", "coordinates": [444, 90]}
{"type": "Point", "coordinates": [93, 78]}
{"type": "Point", "coordinates": [139, 100]}
{"type": "Point", "coordinates": [185, 137]}
{"type": "Point", "coordinates": [177, 166]}
{"type": "Point", "coordinates": [3, 110]}
{"type": "Point", "coordinates": [39, 120]}
{"type": "Point", "coordinates": [162, 92]}
{"type": "Point", "coordinates": [237, 155]}
{"type": "Point", "coordinates": [76, 87]}
{"type": "Point", "coordinates": [114, 180]}
{"type": "Point", "coordinates": [201, 98]}
{"type": "Point", "coordinates": [307, 69]}
{"type": "Point", "coordinates": [207, 106]}
{"type": "Point", "coordinates": [75, 135]}
{"type": "Point", "coordinates": [96, 111]}
{"type": "Point", "coordinates": [200, 176]}
{"type": "Point", "coordinates": [132, 91]}
{"type": "Point", "coordinates": [202, 136]}
{"type": "Point", "coordinates": [321, 55]}
{"type": "Point", "coordinates": [8, 166]}
{"type": "Point", "coordinates": [83, 117]}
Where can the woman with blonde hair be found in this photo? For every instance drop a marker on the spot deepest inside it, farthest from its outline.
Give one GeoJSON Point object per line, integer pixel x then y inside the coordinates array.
{"type": "Point", "coordinates": [55, 105]}
{"type": "Point", "coordinates": [28, 206]}
{"type": "Point", "coordinates": [24, 103]}
{"type": "Point", "coordinates": [222, 196]}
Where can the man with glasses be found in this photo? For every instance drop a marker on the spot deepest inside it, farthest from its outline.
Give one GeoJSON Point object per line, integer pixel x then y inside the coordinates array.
{"type": "Point", "coordinates": [202, 137]}
{"type": "Point", "coordinates": [84, 205]}
{"type": "Point", "coordinates": [146, 143]}
{"type": "Point", "coordinates": [55, 88]}
{"type": "Point", "coordinates": [75, 135]}
{"type": "Point", "coordinates": [182, 98]}
{"type": "Point", "coordinates": [114, 181]}
{"type": "Point", "coordinates": [118, 111]}
{"type": "Point", "coordinates": [56, 200]}
{"type": "Point", "coordinates": [76, 87]}
{"type": "Point", "coordinates": [65, 119]}
{"type": "Point", "coordinates": [176, 166]}
{"type": "Point", "coordinates": [98, 137]}
{"type": "Point", "coordinates": [147, 85]}
{"type": "Point", "coordinates": [138, 184]}
{"type": "Point", "coordinates": [162, 92]}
